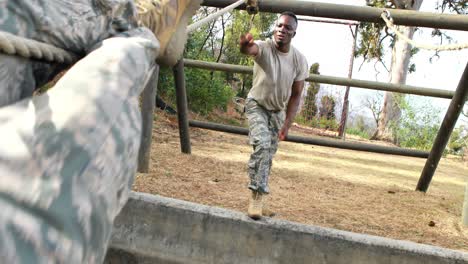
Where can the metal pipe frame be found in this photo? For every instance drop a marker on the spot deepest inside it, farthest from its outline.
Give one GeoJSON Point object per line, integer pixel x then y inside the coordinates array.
{"type": "Point", "coordinates": [329, 21]}
{"type": "Point", "coordinates": [358, 13]}
{"type": "Point", "coordinates": [147, 114]}
{"type": "Point", "coordinates": [389, 87]}
{"type": "Point", "coordinates": [182, 107]}
{"type": "Point", "coordinates": [318, 141]}
{"type": "Point", "coordinates": [443, 136]}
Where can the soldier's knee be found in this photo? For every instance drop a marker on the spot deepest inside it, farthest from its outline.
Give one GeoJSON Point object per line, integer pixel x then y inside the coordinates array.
{"type": "Point", "coordinates": [261, 143]}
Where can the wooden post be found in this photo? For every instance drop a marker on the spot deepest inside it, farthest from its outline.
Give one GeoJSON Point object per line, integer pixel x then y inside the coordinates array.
{"type": "Point", "coordinates": [147, 113]}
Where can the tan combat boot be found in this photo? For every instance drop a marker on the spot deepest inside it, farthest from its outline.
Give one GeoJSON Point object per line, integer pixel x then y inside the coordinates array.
{"type": "Point", "coordinates": [168, 20]}
{"type": "Point", "coordinates": [266, 210]}
{"type": "Point", "coordinates": [255, 205]}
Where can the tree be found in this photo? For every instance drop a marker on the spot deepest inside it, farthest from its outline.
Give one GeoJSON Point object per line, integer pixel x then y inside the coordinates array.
{"type": "Point", "coordinates": [400, 62]}
{"type": "Point", "coordinates": [309, 110]}
{"type": "Point", "coordinates": [374, 104]}
{"type": "Point", "coordinates": [327, 107]}
{"type": "Point", "coordinates": [418, 126]}
{"type": "Point", "coordinates": [370, 47]}
{"type": "Point", "coordinates": [458, 141]}
{"type": "Point", "coordinates": [458, 6]}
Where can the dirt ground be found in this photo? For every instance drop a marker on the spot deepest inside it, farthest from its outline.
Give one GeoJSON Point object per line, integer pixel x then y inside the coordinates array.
{"type": "Point", "coordinates": [343, 189]}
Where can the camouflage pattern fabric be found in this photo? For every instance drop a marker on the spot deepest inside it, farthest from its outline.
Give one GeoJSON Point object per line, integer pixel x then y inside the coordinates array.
{"type": "Point", "coordinates": [76, 26]}
{"type": "Point", "coordinates": [68, 157]}
{"type": "Point", "coordinates": [264, 126]}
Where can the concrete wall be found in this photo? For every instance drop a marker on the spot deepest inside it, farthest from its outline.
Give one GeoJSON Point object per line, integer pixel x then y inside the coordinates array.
{"type": "Point", "coordinates": [154, 229]}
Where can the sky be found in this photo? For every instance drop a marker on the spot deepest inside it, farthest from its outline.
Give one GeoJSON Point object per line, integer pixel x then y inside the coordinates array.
{"type": "Point", "coordinates": [330, 45]}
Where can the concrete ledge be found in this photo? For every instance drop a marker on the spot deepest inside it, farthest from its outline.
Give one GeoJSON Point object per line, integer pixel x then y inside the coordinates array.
{"type": "Point", "coordinates": [154, 229]}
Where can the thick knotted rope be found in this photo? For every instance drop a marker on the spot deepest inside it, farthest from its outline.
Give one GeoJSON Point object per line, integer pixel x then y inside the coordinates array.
{"type": "Point", "coordinates": [389, 21]}
{"type": "Point", "coordinates": [32, 49]}
{"type": "Point", "coordinates": [213, 16]}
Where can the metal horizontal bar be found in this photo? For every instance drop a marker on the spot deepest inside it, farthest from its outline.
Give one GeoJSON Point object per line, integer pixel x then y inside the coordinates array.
{"type": "Point", "coordinates": [380, 86]}
{"type": "Point", "coordinates": [399, 88]}
{"type": "Point", "coordinates": [319, 141]}
{"type": "Point", "coordinates": [218, 66]}
{"type": "Point", "coordinates": [329, 21]}
{"type": "Point", "coordinates": [358, 13]}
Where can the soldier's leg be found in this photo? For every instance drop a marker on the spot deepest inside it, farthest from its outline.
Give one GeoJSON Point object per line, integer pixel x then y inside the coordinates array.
{"type": "Point", "coordinates": [275, 124]}
{"type": "Point", "coordinates": [68, 157]}
{"type": "Point", "coordinates": [260, 139]}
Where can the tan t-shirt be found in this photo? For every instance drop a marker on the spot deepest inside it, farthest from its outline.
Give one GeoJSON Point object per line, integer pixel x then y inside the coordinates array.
{"type": "Point", "coordinates": [274, 73]}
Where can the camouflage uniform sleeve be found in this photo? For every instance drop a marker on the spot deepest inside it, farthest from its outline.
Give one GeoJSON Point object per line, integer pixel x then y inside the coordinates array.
{"type": "Point", "coordinates": [68, 157]}
{"type": "Point", "coordinates": [75, 26]}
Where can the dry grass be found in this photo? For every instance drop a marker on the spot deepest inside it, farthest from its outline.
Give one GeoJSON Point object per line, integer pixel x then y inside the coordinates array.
{"type": "Point", "coordinates": [343, 189]}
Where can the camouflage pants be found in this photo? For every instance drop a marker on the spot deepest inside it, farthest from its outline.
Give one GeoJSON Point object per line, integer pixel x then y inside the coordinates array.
{"type": "Point", "coordinates": [68, 157]}
{"type": "Point", "coordinates": [264, 126]}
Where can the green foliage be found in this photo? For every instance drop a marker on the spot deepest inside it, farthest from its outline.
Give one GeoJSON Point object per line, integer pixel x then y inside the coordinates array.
{"type": "Point", "coordinates": [207, 91]}
{"type": "Point", "coordinates": [357, 132]}
{"type": "Point", "coordinates": [300, 119]}
{"type": "Point", "coordinates": [309, 110]}
{"type": "Point", "coordinates": [418, 125]}
{"type": "Point", "coordinates": [370, 42]}
{"type": "Point", "coordinates": [360, 128]}
{"type": "Point", "coordinates": [330, 124]}
{"type": "Point", "coordinates": [166, 83]}
{"type": "Point", "coordinates": [458, 141]}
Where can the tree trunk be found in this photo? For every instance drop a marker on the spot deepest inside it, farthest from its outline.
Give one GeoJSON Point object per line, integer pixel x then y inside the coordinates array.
{"type": "Point", "coordinates": [401, 54]}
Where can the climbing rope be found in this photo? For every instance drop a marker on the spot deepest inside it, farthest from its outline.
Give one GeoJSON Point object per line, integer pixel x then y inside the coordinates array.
{"type": "Point", "coordinates": [32, 49]}
{"type": "Point", "coordinates": [252, 17]}
{"type": "Point", "coordinates": [389, 21]}
{"type": "Point", "coordinates": [213, 16]}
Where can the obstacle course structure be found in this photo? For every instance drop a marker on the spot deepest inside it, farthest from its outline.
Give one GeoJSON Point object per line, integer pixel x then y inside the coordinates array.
{"type": "Point", "coordinates": [154, 229]}
{"type": "Point", "coordinates": [368, 14]}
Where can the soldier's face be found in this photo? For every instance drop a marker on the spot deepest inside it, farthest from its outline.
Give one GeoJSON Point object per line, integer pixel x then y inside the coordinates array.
{"type": "Point", "coordinates": [285, 30]}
